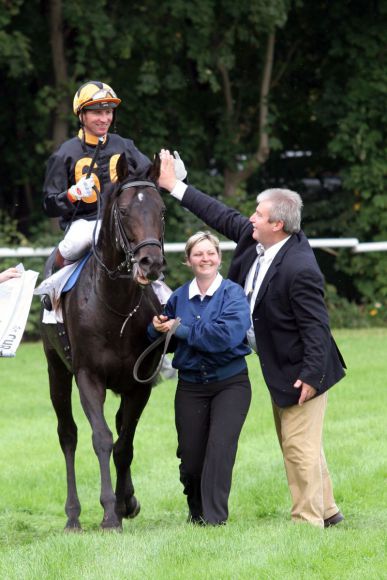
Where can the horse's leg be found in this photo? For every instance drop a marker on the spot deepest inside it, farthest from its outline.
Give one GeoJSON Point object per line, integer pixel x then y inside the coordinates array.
{"type": "Point", "coordinates": [93, 394]}
{"type": "Point", "coordinates": [128, 415]}
{"type": "Point", "coordinates": [60, 392]}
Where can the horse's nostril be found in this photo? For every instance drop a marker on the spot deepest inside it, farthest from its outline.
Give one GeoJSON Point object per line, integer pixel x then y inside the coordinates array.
{"type": "Point", "coordinates": [148, 264]}
{"type": "Point", "coordinates": [145, 262]}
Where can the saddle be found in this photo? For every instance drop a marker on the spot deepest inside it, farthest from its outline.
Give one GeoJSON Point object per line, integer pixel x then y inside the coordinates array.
{"type": "Point", "coordinates": [59, 282]}
{"type": "Point", "coordinates": [51, 290]}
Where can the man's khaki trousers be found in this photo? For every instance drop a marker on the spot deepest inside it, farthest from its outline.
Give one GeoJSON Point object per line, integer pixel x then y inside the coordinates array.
{"type": "Point", "coordinates": [299, 431]}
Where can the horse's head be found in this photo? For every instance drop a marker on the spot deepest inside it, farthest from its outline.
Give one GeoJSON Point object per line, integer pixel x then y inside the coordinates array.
{"type": "Point", "coordinates": [136, 222]}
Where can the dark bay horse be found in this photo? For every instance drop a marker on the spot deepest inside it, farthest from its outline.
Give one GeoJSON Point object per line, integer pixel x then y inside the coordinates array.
{"type": "Point", "coordinates": [105, 317]}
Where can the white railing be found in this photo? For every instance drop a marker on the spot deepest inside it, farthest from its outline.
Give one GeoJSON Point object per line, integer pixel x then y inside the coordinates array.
{"type": "Point", "coordinates": [44, 252]}
{"type": "Point", "coordinates": [352, 243]}
{"type": "Point", "coordinates": [370, 247]}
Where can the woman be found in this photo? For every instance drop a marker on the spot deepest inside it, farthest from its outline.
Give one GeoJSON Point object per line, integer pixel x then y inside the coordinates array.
{"type": "Point", "coordinates": [213, 391]}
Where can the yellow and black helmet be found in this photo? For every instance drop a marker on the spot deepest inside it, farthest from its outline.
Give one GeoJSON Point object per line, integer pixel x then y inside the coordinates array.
{"type": "Point", "coordinates": [94, 95]}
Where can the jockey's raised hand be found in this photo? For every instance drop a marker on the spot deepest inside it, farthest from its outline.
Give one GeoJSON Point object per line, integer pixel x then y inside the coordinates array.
{"type": "Point", "coordinates": [82, 189]}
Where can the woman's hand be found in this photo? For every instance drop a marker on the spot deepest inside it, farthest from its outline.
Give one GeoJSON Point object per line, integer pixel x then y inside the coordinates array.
{"type": "Point", "coordinates": [162, 323]}
{"type": "Point", "coordinates": [8, 274]}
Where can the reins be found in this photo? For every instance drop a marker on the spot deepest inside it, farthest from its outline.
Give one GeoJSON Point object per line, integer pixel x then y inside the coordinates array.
{"type": "Point", "coordinates": [121, 237]}
{"type": "Point", "coordinates": [128, 249]}
{"type": "Point", "coordinates": [165, 337]}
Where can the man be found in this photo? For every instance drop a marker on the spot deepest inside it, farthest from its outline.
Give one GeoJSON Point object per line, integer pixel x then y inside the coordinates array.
{"type": "Point", "coordinates": [69, 193]}
{"type": "Point", "coordinates": [299, 358]}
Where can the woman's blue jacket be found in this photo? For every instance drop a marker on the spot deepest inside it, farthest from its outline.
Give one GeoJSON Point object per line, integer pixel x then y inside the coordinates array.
{"type": "Point", "coordinates": [210, 342]}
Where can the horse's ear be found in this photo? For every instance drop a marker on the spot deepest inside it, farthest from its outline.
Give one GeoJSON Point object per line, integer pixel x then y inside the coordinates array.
{"type": "Point", "coordinates": [122, 168]}
{"type": "Point", "coordinates": [154, 171]}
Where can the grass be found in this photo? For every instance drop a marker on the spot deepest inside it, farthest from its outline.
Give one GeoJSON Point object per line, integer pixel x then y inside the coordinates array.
{"type": "Point", "coordinates": [259, 540]}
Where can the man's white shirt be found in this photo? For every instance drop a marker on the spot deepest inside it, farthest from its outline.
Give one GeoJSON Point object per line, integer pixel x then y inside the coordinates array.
{"type": "Point", "coordinates": [265, 262]}
{"type": "Point", "coordinates": [179, 190]}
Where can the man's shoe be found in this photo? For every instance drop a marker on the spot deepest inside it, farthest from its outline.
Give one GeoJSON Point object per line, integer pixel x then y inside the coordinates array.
{"type": "Point", "coordinates": [333, 520]}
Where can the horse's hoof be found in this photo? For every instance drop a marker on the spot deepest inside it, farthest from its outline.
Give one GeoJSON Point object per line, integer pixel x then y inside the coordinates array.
{"type": "Point", "coordinates": [133, 507]}
{"type": "Point", "coordinates": [112, 523]}
{"type": "Point", "coordinates": [73, 528]}
{"type": "Point", "coordinates": [111, 528]}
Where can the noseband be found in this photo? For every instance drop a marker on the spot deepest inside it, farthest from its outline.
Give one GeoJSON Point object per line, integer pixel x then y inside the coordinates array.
{"type": "Point", "coordinates": [122, 241]}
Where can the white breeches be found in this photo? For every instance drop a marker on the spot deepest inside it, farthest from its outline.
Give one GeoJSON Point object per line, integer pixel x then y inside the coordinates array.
{"type": "Point", "coordinates": [78, 239]}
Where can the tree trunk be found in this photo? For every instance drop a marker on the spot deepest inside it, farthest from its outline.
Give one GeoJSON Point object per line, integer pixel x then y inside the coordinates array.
{"type": "Point", "coordinates": [60, 125]}
{"type": "Point", "coordinates": [233, 178]}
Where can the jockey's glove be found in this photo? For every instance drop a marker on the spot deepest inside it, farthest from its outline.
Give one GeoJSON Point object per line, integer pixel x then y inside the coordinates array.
{"type": "Point", "coordinates": [82, 189]}
{"type": "Point", "coordinates": [180, 170]}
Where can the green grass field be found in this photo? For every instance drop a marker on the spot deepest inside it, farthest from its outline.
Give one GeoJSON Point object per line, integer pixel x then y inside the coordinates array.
{"type": "Point", "coordinates": [259, 541]}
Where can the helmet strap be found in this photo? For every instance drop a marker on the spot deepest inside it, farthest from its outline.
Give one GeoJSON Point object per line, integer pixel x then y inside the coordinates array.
{"type": "Point", "coordinates": [82, 126]}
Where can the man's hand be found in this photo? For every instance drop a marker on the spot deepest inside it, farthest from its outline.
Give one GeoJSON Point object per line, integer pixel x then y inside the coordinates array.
{"type": "Point", "coordinates": [307, 391]}
{"type": "Point", "coordinates": [180, 170]}
{"type": "Point", "coordinates": [167, 178]}
{"type": "Point", "coordinates": [82, 189]}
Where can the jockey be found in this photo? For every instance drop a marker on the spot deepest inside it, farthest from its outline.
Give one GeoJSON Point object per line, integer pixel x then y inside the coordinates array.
{"type": "Point", "coordinates": [70, 193]}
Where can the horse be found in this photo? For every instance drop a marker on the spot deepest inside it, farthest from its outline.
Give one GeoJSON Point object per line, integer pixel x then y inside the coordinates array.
{"type": "Point", "coordinates": [105, 317]}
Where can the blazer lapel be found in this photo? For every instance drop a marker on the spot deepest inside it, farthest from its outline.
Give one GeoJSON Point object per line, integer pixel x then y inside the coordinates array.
{"type": "Point", "coordinates": [265, 282]}
{"type": "Point", "coordinates": [273, 268]}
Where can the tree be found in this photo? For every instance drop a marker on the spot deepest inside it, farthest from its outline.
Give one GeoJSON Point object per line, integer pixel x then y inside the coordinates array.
{"type": "Point", "coordinates": [57, 41]}
{"type": "Point", "coordinates": [356, 116]}
{"type": "Point", "coordinates": [344, 121]}
{"type": "Point", "coordinates": [233, 86]}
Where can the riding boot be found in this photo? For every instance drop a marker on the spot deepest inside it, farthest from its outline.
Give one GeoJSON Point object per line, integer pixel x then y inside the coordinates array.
{"type": "Point", "coordinates": [59, 262]}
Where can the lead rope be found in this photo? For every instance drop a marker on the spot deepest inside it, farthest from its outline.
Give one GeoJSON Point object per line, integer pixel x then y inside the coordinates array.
{"type": "Point", "coordinates": [165, 337]}
{"type": "Point", "coordinates": [129, 316]}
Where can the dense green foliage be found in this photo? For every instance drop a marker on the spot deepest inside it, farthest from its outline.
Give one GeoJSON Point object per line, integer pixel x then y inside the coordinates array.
{"type": "Point", "coordinates": [259, 540]}
{"type": "Point", "coordinates": [234, 86]}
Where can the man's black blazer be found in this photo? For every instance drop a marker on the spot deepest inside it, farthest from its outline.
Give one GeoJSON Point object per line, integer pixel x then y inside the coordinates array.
{"type": "Point", "coordinates": [290, 317]}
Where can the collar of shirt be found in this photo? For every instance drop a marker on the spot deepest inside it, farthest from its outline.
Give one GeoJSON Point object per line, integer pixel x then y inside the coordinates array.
{"type": "Point", "coordinates": [89, 138]}
{"type": "Point", "coordinates": [194, 288]}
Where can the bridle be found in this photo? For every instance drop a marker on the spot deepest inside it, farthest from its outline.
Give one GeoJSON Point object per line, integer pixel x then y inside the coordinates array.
{"type": "Point", "coordinates": [125, 268]}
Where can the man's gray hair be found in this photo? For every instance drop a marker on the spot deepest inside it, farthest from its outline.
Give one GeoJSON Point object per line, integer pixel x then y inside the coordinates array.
{"type": "Point", "coordinates": [286, 206]}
